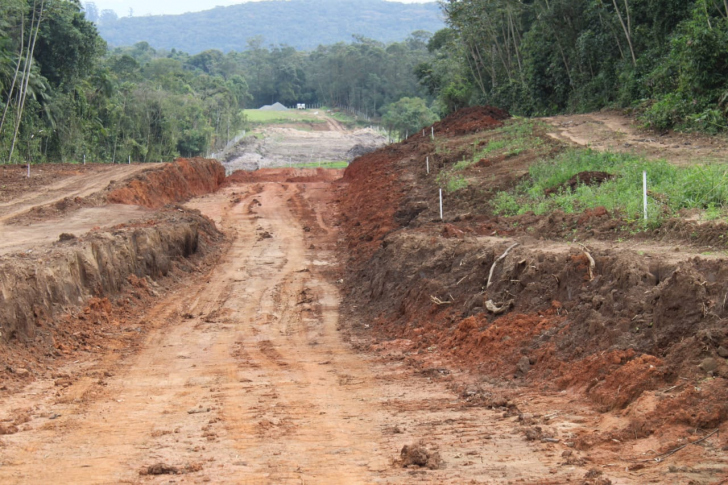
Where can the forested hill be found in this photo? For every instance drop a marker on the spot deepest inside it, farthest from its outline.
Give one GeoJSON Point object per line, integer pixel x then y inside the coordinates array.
{"type": "Point", "coordinates": [303, 24]}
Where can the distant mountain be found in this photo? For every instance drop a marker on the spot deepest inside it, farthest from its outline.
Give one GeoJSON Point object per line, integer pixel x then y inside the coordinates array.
{"type": "Point", "coordinates": [303, 24]}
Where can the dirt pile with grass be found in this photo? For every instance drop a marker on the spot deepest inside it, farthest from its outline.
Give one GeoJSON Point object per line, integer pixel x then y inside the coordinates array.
{"type": "Point", "coordinates": [612, 325]}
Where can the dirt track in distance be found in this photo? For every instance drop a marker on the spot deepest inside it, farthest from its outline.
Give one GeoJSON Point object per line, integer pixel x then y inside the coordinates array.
{"type": "Point", "coordinates": [247, 378]}
{"type": "Point", "coordinates": [613, 131]}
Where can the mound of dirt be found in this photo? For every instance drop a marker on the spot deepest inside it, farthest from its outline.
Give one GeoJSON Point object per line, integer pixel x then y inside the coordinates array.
{"type": "Point", "coordinates": [471, 120]}
{"type": "Point", "coordinates": [175, 182]}
{"type": "Point", "coordinates": [581, 178]}
{"type": "Point", "coordinates": [419, 456]}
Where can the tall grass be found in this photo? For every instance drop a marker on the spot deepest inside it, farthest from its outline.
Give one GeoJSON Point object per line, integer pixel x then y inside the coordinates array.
{"type": "Point", "coordinates": [671, 188]}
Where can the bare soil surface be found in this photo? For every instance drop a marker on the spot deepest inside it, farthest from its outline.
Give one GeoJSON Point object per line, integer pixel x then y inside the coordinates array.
{"type": "Point", "coordinates": [246, 375]}
{"type": "Point", "coordinates": [614, 131]}
{"type": "Point", "coordinates": [292, 145]}
{"type": "Point", "coordinates": [340, 332]}
{"type": "Point", "coordinates": [50, 183]}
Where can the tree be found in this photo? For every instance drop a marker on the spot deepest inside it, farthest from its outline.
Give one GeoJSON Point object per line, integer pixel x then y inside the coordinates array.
{"type": "Point", "coordinates": [408, 116]}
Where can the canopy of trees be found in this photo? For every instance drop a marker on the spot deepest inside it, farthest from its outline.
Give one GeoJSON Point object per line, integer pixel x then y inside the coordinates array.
{"type": "Point", "coordinates": [64, 95]}
{"type": "Point", "coordinates": [668, 58]}
{"type": "Point", "coordinates": [303, 24]}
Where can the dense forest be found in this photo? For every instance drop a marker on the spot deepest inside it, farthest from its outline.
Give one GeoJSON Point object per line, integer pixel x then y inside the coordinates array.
{"type": "Point", "coordinates": [668, 59]}
{"type": "Point", "coordinates": [303, 24]}
{"type": "Point", "coordinates": [64, 94]}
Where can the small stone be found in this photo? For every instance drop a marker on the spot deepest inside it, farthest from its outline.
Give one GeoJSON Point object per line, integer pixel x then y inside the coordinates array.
{"type": "Point", "coordinates": [709, 364]}
{"type": "Point", "coordinates": [20, 371]}
{"type": "Point", "coordinates": [723, 352]}
{"type": "Point", "coordinates": [524, 365]}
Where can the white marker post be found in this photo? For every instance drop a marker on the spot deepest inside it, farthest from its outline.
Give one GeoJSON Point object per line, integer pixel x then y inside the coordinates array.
{"type": "Point", "coordinates": [84, 159]}
{"type": "Point", "coordinates": [28, 169]}
{"type": "Point", "coordinates": [428, 165]}
{"type": "Point", "coordinates": [441, 217]}
{"type": "Point", "coordinates": [644, 191]}
{"type": "Point", "coordinates": [433, 132]}
{"type": "Point", "coordinates": [129, 159]}
{"type": "Point", "coordinates": [423, 133]}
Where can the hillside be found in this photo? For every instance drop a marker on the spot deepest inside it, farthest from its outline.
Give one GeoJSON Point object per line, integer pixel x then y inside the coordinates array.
{"type": "Point", "coordinates": [303, 24]}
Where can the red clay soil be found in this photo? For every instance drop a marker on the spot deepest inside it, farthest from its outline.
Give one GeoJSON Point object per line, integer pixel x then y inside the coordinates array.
{"type": "Point", "coordinates": [471, 120]}
{"type": "Point", "coordinates": [290, 175]}
{"type": "Point", "coordinates": [45, 324]}
{"type": "Point", "coordinates": [176, 182]}
{"type": "Point", "coordinates": [612, 333]}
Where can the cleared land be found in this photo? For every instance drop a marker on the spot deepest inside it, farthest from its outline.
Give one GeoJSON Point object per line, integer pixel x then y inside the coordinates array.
{"type": "Point", "coordinates": [298, 138]}
{"type": "Point", "coordinates": [322, 326]}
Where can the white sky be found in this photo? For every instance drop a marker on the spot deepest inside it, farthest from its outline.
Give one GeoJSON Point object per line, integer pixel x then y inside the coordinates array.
{"type": "Point", "coordinates": [158, 7]}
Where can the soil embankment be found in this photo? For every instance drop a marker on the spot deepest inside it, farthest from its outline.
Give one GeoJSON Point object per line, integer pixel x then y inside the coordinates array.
{"type": "Point", "coordinates": [174, 182]}
{"type": "Point", "coordinates": [638, 333]}
{"type": "Point", "coordinates": [103, 254]}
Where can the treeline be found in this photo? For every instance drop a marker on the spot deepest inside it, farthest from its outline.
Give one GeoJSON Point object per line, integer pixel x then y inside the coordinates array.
{"type": "Point", "coordinates": [303, 24]}
{"type": "Point", "coordinates": [666, 58]}
{"type": "Point", "coordinates": [65, 95]}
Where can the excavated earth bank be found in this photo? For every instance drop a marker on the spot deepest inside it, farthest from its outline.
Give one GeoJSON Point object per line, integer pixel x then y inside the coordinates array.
{"type": "Point", "coordinates": [640, 334]}
{"type": "Point", "coordinates": [56, 299]}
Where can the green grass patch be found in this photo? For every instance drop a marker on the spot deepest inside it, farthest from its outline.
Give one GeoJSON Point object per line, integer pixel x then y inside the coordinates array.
{"type": "Point", "coordinates": [451, 181]}
{"type": "Point", "coordinates": [512, 139]}
{"type": "Point", "coordinates": [259, 117]}
{"type": "Point", "coordinates": [671, 188]}
{"type": "Point", "coordinates": [324, 164]}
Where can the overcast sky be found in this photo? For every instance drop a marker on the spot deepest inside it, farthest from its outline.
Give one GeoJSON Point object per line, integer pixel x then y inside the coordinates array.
{"type": "Point", "coordinates": [158, 7]}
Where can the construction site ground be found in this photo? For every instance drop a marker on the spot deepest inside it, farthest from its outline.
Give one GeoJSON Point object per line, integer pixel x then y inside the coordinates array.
{"type": "Point", "coordinates": [299, 325]}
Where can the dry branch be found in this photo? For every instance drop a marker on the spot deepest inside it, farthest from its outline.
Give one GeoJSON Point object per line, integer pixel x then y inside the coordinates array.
{"type": "Point", "coordinates": [438, 301]}
{"type": "Point", "coordinates": [492, 268]}
{"type": "Point", "coordinates": [498, 309]}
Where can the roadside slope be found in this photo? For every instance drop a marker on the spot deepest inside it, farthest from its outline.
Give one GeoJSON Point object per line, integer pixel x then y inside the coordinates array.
{"type": "Point", "coordinates": [636, 330]}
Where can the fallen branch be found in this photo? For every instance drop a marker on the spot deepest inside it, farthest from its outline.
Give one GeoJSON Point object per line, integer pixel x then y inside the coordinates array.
{"type": "Point", "coordinates": [498, 309]}
{"type": "Point", "coordinates": [592, 264]}
{"type": "Point", "coordinates": [492, 268]}
{"type": "Point", "coordinates": [661, 457]}
{"type": "Point", "coordinates": [438, 301]}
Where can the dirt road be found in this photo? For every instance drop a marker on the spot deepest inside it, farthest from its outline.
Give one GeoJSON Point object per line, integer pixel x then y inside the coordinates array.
{"type": "Point", "coordinates": [616, 132]}
{"type": "Point", "coordinates": [247, 378]}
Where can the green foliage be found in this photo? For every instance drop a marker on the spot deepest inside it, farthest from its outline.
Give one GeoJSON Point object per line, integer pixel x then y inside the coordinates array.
{"type": "Point", "coordinates": [302, 24]}
{"type": "Point", "coordinates": [672, 188]}
{"type": "Point", "coordinates": [667, 57]}
{"type": "Point", "coordinates": [408, 116]}
{"type": "Point", "coordinates": [451, 181]}
{"type": "Point", "coordinates": [154, 105]}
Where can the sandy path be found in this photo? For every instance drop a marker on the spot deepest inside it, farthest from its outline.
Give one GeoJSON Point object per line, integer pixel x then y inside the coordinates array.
{"type": "Point", "coordinates": [245, 378]}
{"type": "Point", "coordinates": [613, 131]}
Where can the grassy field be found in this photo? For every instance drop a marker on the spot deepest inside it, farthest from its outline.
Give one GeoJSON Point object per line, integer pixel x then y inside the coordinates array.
{"type": "Point", "coordinates": [258, 117]}
{"type": "Point", "coordinates": [670, 188]}
{"type": "Point", "coordinates": [323, 164]}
